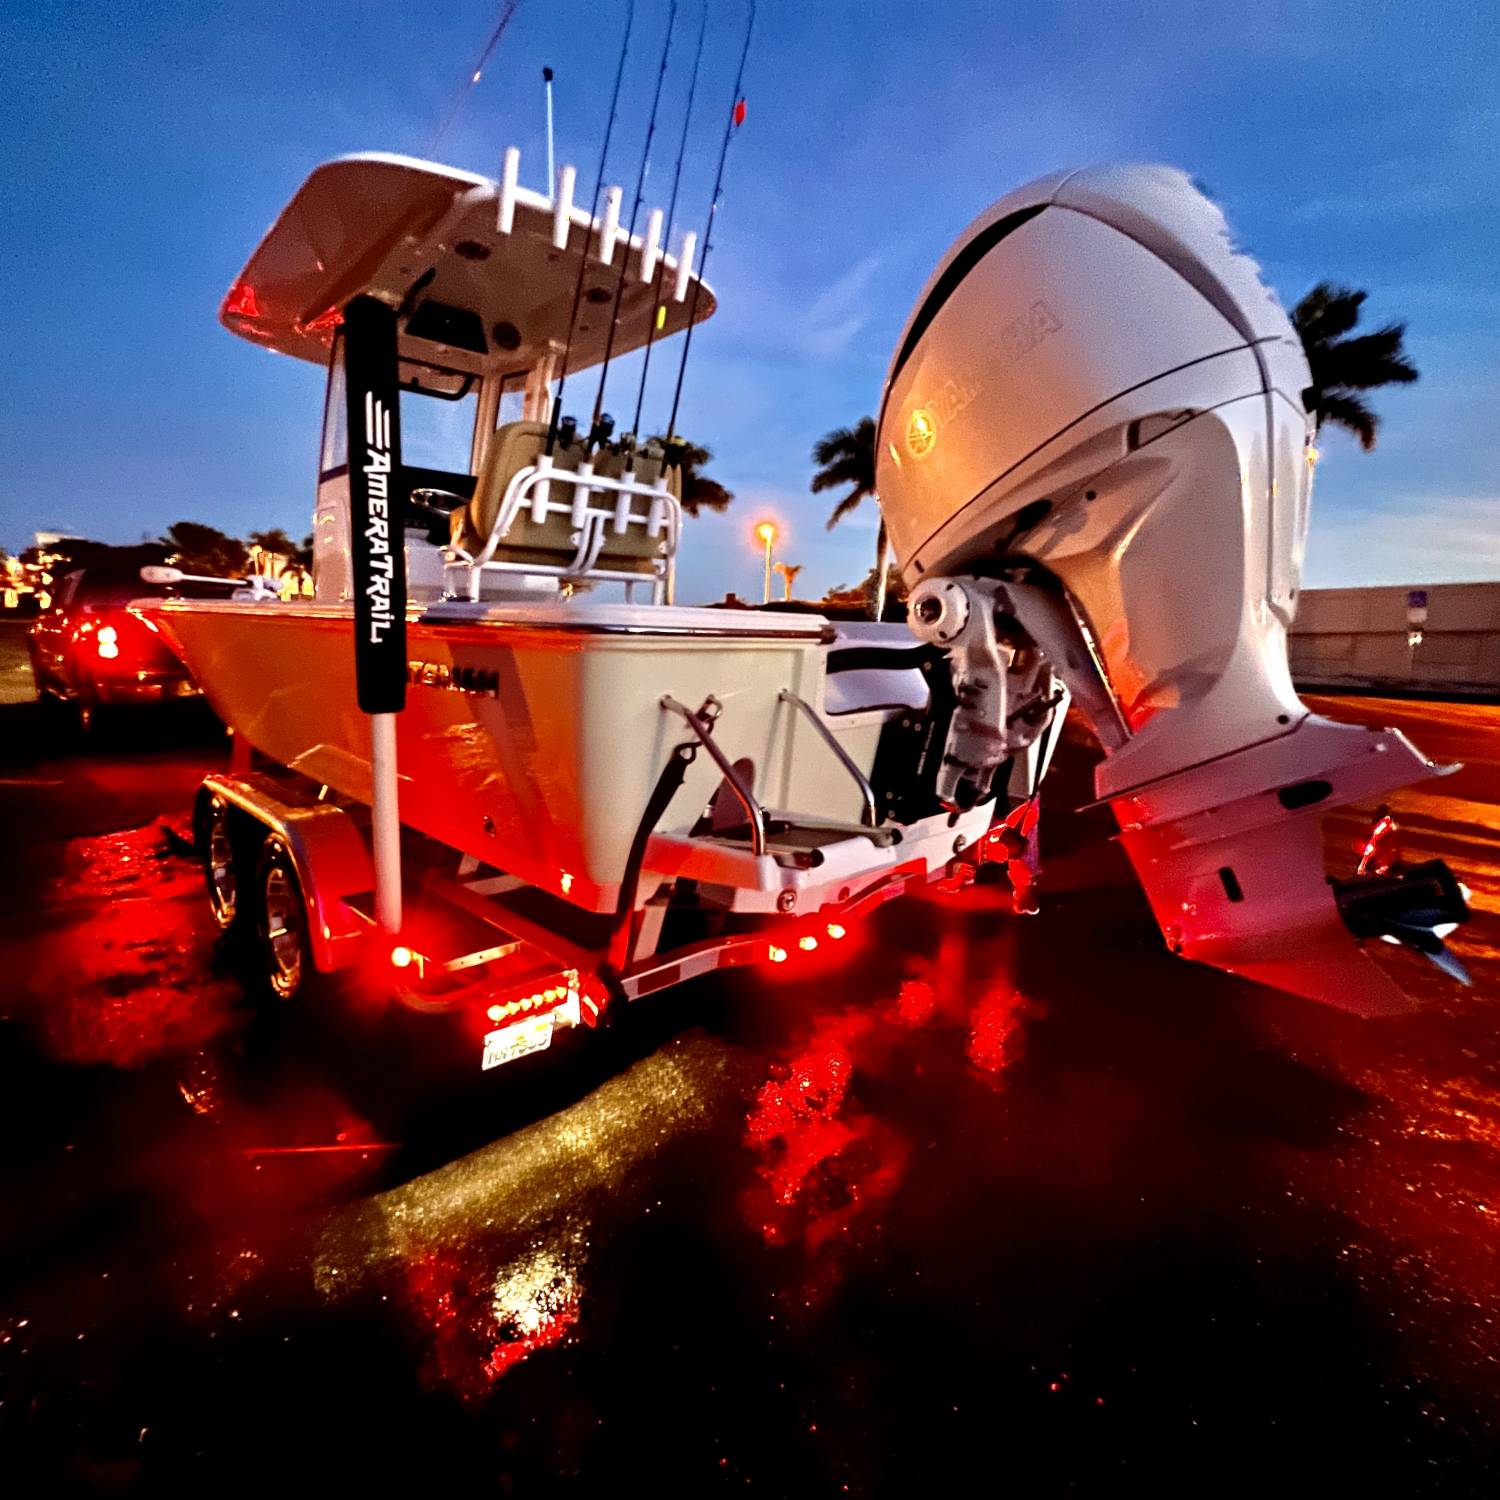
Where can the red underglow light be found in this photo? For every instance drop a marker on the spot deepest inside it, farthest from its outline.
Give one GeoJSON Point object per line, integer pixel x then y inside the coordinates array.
{"type": "Point", "coordinates": [808, 943]}
{"type": "Point", "coordinates": [401, 957]}
{"type": "Point", "coordinates": [777, 955]}
{"type": "Point", "coordinates": [242, 303]}
{"type": "Point", "coordinates": [836, 930]}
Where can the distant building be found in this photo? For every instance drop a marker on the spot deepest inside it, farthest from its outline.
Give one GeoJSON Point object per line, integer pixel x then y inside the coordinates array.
{"type": "Point", "coordinates": [1435, 637]}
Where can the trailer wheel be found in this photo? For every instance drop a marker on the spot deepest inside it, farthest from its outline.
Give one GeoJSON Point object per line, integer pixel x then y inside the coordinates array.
{"type": "Point", "coordinates": [281, 925]}
{"type": "Point", "coordinates": [222, 860]}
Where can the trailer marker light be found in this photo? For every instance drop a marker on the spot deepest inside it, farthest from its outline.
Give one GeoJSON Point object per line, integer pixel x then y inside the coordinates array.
{"type": "Point", "coordinates": [836, 930]}
{"type": "Point", "coordinates": [777, 955]}
{"type": "Point", "coordinates": [808, 943]}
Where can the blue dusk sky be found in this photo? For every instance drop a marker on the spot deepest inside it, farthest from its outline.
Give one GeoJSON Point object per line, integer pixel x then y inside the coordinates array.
{"type": "Point", "coordinates": [148, 146]}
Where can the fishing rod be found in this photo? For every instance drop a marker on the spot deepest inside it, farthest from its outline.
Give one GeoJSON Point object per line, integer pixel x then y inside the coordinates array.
{"type": "Point", "coordinates": [506, 14]}
{"type": "Point", "coordinates": [635, 208]}
{"type": "Point", "coordinates": [736, 115]}
{"type": "Point", "coordinates": [583, 259]}
{"type": "Point", "coordinates": [661, 265]}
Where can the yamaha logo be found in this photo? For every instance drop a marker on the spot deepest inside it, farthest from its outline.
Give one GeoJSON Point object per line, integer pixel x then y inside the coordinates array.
{"type": "Point", "coordinates": [921, 433]}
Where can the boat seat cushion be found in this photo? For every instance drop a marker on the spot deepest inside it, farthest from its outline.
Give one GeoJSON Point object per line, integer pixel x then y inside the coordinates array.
{"type": "Point", "coordinates": [553, 542]}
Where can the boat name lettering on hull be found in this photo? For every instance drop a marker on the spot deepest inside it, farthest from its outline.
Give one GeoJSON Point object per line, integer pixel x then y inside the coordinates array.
{"type": "Point", "coordinates": [477, 682]}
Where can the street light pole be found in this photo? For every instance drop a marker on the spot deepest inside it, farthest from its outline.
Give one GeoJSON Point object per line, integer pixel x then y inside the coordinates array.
{"type": "Point", "coordinates": [765, 533]}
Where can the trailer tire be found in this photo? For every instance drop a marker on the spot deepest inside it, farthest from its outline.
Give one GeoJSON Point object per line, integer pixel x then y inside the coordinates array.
{"type": "Point", "coordinates": [283, 955]}
{"type": "Point", "coordinates": [221, 850]}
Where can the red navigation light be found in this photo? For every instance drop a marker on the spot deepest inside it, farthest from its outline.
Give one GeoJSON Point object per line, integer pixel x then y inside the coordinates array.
{"type": "Point", "coordinates": [242, 303]}
{"type": "Point", "coordinates": [401, 957]}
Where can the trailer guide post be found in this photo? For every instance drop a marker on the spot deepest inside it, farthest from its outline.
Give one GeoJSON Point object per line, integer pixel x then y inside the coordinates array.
{"type": "Point", "coordinates": [376, 503]}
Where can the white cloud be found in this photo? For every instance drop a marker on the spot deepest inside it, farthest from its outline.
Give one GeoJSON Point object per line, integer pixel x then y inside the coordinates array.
{"type": "Point", "coordinates": [1418, 539]}
{"type": "Point", "coordinates": [838, 314]}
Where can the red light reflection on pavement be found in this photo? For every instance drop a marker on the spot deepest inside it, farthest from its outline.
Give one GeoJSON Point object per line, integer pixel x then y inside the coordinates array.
{"type": "Point", "coordinates": [996, 1037]}
{"type": "Point", "coordinates": [475, 1331]}
{"type": "Point", "coordinates": [824, 1159]}
{"type": "Point", "coordinates": [120, 975]}
{"type": "Point", "coordinates": [553, 1329]}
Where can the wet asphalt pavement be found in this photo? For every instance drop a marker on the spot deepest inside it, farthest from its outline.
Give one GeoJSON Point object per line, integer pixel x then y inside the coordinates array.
{"type": "Point", "coordinates": [989, 1207]}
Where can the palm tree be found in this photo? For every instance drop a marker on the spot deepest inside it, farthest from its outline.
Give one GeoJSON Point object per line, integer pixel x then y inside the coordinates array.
{"type": "Point", "coordinates": [699, 492]}
{"type": "Point", "coordinates": [197, 548]}
{"type": "Point", "coordinates": [846, 456]}
{"type": "Point", "coordinates": [789, 572]}
{"type": "Point", "coordinates": [275, 540]}
{"type": "Point", "coordinates": [1342, 367]}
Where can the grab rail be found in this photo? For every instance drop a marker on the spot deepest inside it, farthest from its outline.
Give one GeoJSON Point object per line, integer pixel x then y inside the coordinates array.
{"type": "Point", "coordinates": [871, 818]}
{"type": "Point", "coordinates": [753, 810]}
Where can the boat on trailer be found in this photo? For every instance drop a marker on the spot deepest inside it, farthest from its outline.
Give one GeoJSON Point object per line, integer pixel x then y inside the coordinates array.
{"type": "Point", "coordinates": [586, 764]}
{"type": "Point", "coordinates": [591, 792]}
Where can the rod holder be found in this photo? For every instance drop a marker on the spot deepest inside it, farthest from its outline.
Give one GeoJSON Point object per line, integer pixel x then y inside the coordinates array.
{"type": "Point", "coordinates": [562, 206]}
{"type": "Point", "coordinates": [510, 174]}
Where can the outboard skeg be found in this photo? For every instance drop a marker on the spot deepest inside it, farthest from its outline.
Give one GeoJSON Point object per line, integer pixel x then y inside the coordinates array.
{"type": "Point", "coordinates": [1094, 427]}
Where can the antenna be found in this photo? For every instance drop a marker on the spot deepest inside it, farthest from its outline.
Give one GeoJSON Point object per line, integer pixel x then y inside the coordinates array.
{"type": "Point", "coordinates": [635, 208]}
{"type": "Point", "coordinates": [661, 264]}
{"type": "Point", "coordinates": [736, 116]}
{"type": "Point", "coordinates": [551, 164]}
{"type": "Point", "coordinates": [583, 259]}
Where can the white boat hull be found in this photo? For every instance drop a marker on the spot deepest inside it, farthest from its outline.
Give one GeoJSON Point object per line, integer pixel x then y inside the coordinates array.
{"type": "Point", "coordinates": [534, 734]}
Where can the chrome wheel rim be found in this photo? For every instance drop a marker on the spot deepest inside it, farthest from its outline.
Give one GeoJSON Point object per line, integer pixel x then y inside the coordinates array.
{"type": "Point", "coordinates": [223, 889]}
{"type": "Point", "coordinates": [283, 932]}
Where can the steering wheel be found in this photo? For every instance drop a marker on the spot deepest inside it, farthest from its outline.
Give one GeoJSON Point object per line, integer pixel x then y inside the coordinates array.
{"type": "Point", "coordinates": [433, 508]}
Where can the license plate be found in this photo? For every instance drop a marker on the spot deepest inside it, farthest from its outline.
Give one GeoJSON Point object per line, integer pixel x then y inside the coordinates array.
{"type": "Point", "coordinates": [534, 1034]}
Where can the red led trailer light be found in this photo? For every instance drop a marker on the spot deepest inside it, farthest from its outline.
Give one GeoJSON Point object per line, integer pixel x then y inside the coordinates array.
{"type": "Point", "coordinates": [524, 1022]}
{"type": "Point", "coordinates": [554, 997]}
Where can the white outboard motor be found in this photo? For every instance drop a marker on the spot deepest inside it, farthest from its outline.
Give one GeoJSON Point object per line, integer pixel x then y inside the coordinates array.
{"type": "Point", "coordinates": [1094, 451]}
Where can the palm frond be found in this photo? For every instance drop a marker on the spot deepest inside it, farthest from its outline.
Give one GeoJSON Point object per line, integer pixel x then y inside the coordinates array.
{"type": "Point", "coordinates": [1373, 359]}
{"type": "Point", "coordinates": [850, 471]}
{"type": "Point", "coordinates": [849, 503]}
{"type": "Point", "coordinates": [1351, 413]}
{"type": "Point", "coordinates": [1327, 312]}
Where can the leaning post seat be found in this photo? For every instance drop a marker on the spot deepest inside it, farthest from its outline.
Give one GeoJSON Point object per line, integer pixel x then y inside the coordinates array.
{"type": "Point", "coordinates": [499, 527]}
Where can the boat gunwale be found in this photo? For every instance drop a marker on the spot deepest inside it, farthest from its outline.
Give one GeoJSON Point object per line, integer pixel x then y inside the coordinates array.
{"type": "Point", "coordinates": [475, 631]}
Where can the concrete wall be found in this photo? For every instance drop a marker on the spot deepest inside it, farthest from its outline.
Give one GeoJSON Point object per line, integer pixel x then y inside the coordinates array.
{"type": "Point", "coordinates": [1357, 638]}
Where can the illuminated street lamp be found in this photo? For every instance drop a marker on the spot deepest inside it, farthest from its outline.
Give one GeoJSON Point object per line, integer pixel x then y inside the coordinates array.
{"type": "Point", "coordinates": [765, 534]}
